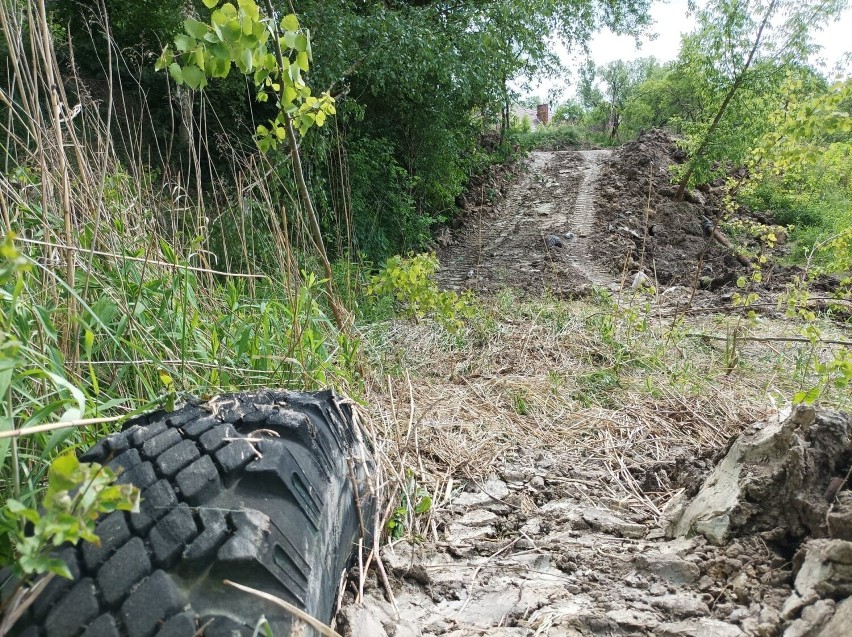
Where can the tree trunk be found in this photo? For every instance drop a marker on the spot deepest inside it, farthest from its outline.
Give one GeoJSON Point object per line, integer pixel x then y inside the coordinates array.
{"type": "Point", "coordinates": [738, 79]}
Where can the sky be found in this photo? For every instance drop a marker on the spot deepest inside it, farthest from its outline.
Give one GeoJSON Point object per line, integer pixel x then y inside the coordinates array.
{"type": "Point", "coordinates": [670, 20]}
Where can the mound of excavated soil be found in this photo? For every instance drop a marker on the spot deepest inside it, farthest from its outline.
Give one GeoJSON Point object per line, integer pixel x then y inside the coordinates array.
{"type": "Point", "coordinates": [644, 227]}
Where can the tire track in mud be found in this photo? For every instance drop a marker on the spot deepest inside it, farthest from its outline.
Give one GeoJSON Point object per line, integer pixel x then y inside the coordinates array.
{"type": "Point", "coordinates": [584, 216]}
{"type": "Point", "coordinates": [554, 196]}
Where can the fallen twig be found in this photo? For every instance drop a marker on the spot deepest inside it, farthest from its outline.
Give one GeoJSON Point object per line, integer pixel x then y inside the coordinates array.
{"type": "Point", "coordinates": [770, 339]}
{"type": "Point", "coordinates": [37, 429]}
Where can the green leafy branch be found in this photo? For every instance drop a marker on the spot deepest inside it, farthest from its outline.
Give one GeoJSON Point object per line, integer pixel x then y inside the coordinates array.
{"type": "Point", "coordinates": [239, 36]}
{"type": "Point", "coordinates": [77, 494]}
{"type": "Point", "coordinates": [275, 55]}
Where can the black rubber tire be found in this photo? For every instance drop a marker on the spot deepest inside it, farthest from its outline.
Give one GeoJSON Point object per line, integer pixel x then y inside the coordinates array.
{"type": "Point", "coordinates": [223, 498]}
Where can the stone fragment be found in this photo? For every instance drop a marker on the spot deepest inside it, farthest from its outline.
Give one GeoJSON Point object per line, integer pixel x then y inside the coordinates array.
{"type": "Point", "coordinates": [772, 479]}
{"type": "Point", "coordinates": [492, 491]}
{"type": "Point", "coordinates": [813, 619]}
{"type": "Point", "coordinates": [478, 517]}
{"type": "Point", "coordinates": [840, 624]}
{"type": "Point", "coordinates": [605, 522]}
{"type": "Point", "coordinates": [681, 606]}
{"type": "Point", "coordinates": [826, 570]}
{"type": "Point", "coordinates": [703, 627]}
{"type": "Point", "coordinates": [477, 523]}
{"type": "Point", "coordinates": [669, 567]}
{"type": "Point", "coordinates": [633, 619]}
{"type": "Point", "coordinates": [840, 522]}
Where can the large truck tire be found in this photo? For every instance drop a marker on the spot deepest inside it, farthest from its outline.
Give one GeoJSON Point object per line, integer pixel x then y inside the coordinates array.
{"type": "Point", "coordinates": [270, 490]}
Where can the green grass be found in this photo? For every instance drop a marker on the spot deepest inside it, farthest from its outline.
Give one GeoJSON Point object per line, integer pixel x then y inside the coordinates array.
{"type": "Point", "coordinates": [560, 137]}
{"type": "Point", "coordinates": [128, 288]}
{"type": "Point", "coordinates": [556, 137]}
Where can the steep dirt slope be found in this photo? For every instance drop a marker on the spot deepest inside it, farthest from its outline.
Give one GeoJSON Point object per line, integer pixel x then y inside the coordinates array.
{"type": "Point", "coordinates": [540, 237]}
{"type": "Point", "coordinates": [575, 218]}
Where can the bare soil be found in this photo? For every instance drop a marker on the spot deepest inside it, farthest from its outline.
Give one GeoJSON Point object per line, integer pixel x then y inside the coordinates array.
{"type": "Point", "coordinates": [540, 236]}
{"type": "Point", "coordinates": [619, 206]}
{"type": "Point", "coordinates": [550, 516]}
{"type": "Point", "coordinates": [549, 544]}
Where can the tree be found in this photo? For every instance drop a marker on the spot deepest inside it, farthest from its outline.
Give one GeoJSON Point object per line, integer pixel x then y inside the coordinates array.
{"type": "Point", "coordinates": [738, 48]}
{"type": "Point", "coordinates": [241, 38]}
{"type": "Point", "coordinates": [606, 91]}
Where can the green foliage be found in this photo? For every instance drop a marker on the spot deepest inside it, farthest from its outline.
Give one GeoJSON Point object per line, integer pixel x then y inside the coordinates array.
{"type": "Point", "coordinates": [555, 137]}
{"type": "Point", "coordinates": [415, 501]}
{"type": "Point", "coordinates": [150, 334]}
{"type": "Point", "coordinates": [428, 78]}
{"type": "Point", "coordinates": [741, 53]}
{"type": "Point", "coordinates": [836, 373]}
{"type": "Point", "coordinates": [33, 381]}
{"type": "Point", "coordinates": [240, 37]}
{"type": "Point", "coordinates": [818, 373]}
{"type": "Point", "coordinates": [410, 282]}
{"type": "Point", "coordinates": [593, 388]}
{"type": "Point", "coordinates": [800, 170]}
{"type": "Point", "coordinates": [568, 112]}
{"type": "Point", "coordinates": [420, 80]}
{"type": "Point", "coordinates": [382, 193]}
{"type": "Point", "coordinates": [77, 494]}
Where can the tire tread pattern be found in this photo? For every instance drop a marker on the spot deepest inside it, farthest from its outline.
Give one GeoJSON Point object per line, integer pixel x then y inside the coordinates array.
{"type": "Point", "coordinates": [254, 487]}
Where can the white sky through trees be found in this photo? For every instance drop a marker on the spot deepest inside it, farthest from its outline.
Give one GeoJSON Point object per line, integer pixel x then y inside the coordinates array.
{"type": "Point", "coordinates": [670, 20]}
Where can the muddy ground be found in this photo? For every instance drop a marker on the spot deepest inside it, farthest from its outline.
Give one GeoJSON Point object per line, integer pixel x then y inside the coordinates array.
{"type": "Point", "coordinates": [545, 546]}
{"type": "Point", "coordinates": [573, 218]}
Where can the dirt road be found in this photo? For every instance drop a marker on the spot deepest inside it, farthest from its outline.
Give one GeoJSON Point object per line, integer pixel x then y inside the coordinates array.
{"type": "Point", "coordinates": [618, 210]}
{"type": "Point", "coordinates": [540, 236]}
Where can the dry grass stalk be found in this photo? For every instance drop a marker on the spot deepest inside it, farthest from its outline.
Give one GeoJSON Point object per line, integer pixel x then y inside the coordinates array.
{"type": "Point", "coordinates": [529, 384]}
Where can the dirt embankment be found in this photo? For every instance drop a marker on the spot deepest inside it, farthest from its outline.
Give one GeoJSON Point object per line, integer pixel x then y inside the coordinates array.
{"type": "Point", "coordinates": [575, 218]}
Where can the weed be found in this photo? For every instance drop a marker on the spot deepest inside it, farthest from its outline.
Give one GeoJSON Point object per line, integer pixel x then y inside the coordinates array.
{"type": "Point", "coordinates": [414, 501]}
{"type": "Point", "coordinates": [520, 401]}
{"type": "Point", "coordinates": [410, 282]}
{"type": "Point", "coordinates": [77, 493]}
{"type": "Point", "coordinates": [595, 387]}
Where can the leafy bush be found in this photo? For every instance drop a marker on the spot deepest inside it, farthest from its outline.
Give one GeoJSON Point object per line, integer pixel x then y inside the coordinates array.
{"type": "Point", "coordinates": [386, 219]}
{"type": "Point", "coordinates": [410, 282]}
{"type": "Point", "coordinates": [557, 137]}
